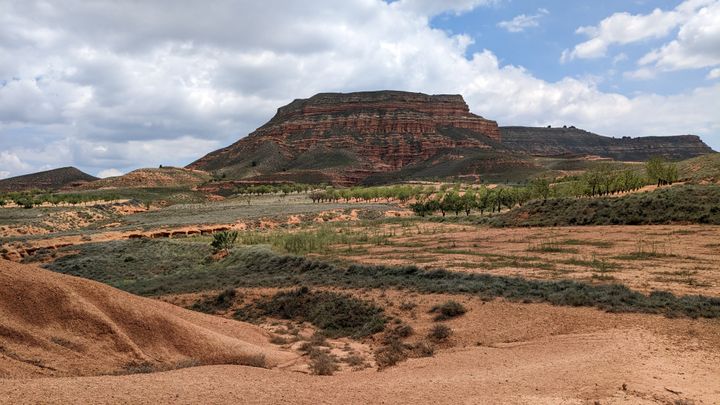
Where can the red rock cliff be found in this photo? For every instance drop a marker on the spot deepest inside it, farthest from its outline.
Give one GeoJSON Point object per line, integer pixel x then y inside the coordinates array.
{"type": "Point", "coordinates": [380, 131]}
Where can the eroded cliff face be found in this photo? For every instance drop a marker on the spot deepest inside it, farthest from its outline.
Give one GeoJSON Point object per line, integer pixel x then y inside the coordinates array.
{"type": "Point", "coordinates": [560, 142]}
{"type": "Point", "coordinates": [377, 132]}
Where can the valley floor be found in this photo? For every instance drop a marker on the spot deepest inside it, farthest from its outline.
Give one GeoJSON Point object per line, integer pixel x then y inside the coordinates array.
{"type": "Point", "coordinates": [500, 351]}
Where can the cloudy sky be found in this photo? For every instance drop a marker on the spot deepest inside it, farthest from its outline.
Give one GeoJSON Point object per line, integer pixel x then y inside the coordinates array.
{"type": "Point", "coordinates": [109, 86]}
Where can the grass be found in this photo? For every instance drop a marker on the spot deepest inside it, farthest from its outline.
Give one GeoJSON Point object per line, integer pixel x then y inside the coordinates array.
{"type": "Point", "coordinates": [599, 265]}
{"type": "Point", "coordinates": [552, 246]}
{"type": "Point", "coordinates": [645, 250]}
{"type": "Point", "coordinates": [315, 240]}
{"type": "Point", "coordinates": [167, 267]}
{"type": "Point", "coordinates": [584, 242]}
{"type": "Point", "coordinates": [335, 314]}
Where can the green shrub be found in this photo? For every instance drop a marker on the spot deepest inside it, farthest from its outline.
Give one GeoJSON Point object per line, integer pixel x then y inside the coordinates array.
{"type": "Point", "coordinates": [224, 240]}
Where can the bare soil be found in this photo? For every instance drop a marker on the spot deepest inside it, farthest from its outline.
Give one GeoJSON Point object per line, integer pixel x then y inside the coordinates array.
{"type": "Point", "coordinates": [500, 352]}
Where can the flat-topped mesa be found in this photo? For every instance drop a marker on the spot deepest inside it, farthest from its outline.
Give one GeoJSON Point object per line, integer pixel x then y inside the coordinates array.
{"type": "Point", "coordinates": [379, 112]}
{"type": "Point", "coordinates": [353, 135]}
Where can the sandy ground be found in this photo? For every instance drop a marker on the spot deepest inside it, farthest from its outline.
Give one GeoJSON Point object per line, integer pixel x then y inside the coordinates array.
{"type": "Point", "coordinates": [615, 364]}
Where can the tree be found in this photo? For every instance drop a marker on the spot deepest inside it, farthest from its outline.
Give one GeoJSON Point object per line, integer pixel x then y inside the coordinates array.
{"type": "Point", "coordinates": [224, 240]}
{"type": "Point", "coordinates": [452, 202]}
{"type": "Point", "coordinates": [468, 201]}
{"type": "Point", "coordinates": [540, 187]}
{"type": "Point", "coordinates": [660, 171]}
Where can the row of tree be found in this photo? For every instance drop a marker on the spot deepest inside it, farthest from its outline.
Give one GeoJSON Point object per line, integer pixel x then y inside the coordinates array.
{"type": "Point", "coordinates": [282, 189]}
{"type": "Point", "coordinates": [29, 199]}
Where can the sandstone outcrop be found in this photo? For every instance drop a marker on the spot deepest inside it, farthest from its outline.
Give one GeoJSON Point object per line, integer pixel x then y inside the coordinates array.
{"type": "Point", "coordinates": [354, 135]}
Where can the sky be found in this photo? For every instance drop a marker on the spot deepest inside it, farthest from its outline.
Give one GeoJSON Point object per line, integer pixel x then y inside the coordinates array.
{"type": "Point", "coordinates": [111, 86]}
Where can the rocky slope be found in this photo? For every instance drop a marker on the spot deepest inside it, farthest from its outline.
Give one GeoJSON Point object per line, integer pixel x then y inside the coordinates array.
{"type": "Point", "coordinates": [573, 142]}
{"type": "Point", "coordinates": [47, 180]}
{"type": "Point", "coordinates": [347, 137]}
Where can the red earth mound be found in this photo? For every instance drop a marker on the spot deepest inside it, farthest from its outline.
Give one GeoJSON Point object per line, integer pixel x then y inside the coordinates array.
{"type": "Point", "coordinates": [59, 325]}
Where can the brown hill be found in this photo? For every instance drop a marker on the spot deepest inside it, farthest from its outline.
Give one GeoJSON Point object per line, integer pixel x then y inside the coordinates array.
{"type": "Point", "coordinates": [347, 137]}
{"type": "Point", "coordinates": [162, 177]}
{"type": "Point", "coordinates": [47, 180]}
{"type": "Point", "coordinates": [551, 142]}
{"type": "Point", "coordinates": [54, 324]}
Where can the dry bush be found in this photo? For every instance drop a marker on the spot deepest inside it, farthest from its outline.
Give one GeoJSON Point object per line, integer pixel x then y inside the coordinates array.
{"type": "Point", "coordinates": [439, 333]}
{"type": "Point", "coordinates": [322, 363]}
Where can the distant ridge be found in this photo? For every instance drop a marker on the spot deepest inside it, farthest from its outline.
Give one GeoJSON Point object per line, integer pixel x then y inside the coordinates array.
{"type": "Point", "coordinates": [47, 180]}
{"type": "Point", "coordinates": [571, 141]}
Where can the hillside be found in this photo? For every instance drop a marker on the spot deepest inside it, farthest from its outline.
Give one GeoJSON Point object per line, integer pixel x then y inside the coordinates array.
{"type": "Point", "coordinates": [681, 204]}
{"type": "Point", "coordinates": [573, 142]}
{"type": "Point", "coordinates": [701, 168]}
{"type": "Point", "coordinates": [48, 180]}
{"type": "Point", "coordinates": [141, 178]}
{"type": "Point", "coordinates": [59, 325]}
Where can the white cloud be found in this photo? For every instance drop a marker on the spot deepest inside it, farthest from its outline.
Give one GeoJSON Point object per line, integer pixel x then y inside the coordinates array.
{"type": "Point", "coordinates": [112, 172]}
{"type": "Point", "coordinates": [521, 22]}
{"type": "Point", "coordinates": [10, 163]}
{"type": "Point", "coordinates": [640, 74]}
{"type": "Point", "coordinates": [93, 91]}
{"type": "Point", "coordinates": [625, 28]}
{"type": "Point", "coordinates": [697, 44]}
{"type": "Point", "coordinates": [714, 74]}
{"type": "Point", "coordinates": [434, 7]}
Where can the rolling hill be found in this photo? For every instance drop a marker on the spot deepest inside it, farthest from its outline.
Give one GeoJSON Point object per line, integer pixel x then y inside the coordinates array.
{"type": "Point", "coordinates": [47, 180]}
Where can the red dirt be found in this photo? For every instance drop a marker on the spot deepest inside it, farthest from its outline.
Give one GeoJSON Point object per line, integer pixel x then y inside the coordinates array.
{"type": "Point", "coordinates": [55, 325]}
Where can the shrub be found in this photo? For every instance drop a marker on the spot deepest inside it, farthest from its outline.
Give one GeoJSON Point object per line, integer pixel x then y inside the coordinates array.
{"type": "Point", "coordinates": [323, 364]}
{"type": "Point", "coordinates": [222, 301]}
{"type": "Point", "coordinates": [355, 361]}
{"type": "Point", "coordinates": [439, 333]}
{"type": "Point", "coordinates": [224, 240]}
{"type": "Point", "coordinates": [390, 354]}
{"type": "Point", "coordinates": [335, 314]}
{"type": "Point", "coordinates": [447, 310]}
{"type": "Point", "coordinates": [423, 349]}
{"type": "Point", "coordinates": [253, 360]}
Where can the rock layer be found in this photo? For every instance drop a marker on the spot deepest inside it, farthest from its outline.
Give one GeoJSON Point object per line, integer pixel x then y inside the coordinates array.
{"type": "Point", "coordinates": [370, 131]}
